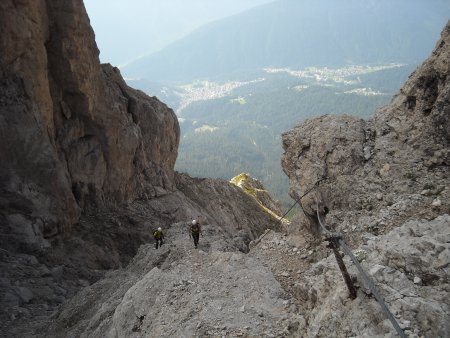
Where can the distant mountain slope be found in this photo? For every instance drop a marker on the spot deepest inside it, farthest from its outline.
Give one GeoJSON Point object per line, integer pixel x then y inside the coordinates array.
{"type": "Point", "coordinates": [153, 24]}
{"type": "Point", "coordinates": [301, 33]}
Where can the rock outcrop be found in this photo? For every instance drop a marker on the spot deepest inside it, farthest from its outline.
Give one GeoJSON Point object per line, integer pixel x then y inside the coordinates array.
{"type": "Point", "coordinates": [76, 134]}
{"type": "Point", "coordinates": [384, 186]}
{"type": "Point", "coordinates": [409, 264]}
{"type": "Point", "coordinates": [227, 205]}
{"type": "Point", "coordinates": [384, 171]}
{"type": "Point", "coordinates": [255, 188]}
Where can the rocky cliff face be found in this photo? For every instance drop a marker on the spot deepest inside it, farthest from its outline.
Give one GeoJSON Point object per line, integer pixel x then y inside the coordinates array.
{"type": "Point", "coordinates": [76, 134]}
{"type": "Point", "coordinates": [385, 189]}
{"type": "Point", "coordinates": [74, 137]}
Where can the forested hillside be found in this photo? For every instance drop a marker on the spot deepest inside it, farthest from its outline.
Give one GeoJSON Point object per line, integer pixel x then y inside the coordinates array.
{"type": "Point", "coordinates": [241, 131]}
{"type": "Point", "coordinates": [301, 34]}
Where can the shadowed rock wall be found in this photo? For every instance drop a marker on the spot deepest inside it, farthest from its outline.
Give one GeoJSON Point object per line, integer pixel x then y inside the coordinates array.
{"type": "Point", "coordinates": [73, 134]}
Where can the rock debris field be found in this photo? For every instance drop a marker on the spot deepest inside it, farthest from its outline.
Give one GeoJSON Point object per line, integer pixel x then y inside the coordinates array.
{"type": "Point", "coordinates": [278, 289]}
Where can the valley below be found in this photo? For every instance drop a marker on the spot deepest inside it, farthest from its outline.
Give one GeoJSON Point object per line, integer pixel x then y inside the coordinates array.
{"type": "Point", "coordinates": [230, 127]}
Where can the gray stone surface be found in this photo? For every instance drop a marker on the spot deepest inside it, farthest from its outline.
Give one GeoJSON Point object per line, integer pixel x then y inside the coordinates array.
{"type": "Point", "coordinates": [215, 290]}
{"type": "Point", "coordinates": [178, 290]}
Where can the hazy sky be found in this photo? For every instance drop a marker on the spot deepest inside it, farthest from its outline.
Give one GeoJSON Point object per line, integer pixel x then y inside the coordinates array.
{"type": "Point", "coordinates": [128, 29]}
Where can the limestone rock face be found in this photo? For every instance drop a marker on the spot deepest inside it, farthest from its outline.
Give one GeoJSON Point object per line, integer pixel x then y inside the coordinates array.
{"type": "Point", "coordinates": [383, 171]}
{"type": "Point", "coordinates": [312, 154]}
{"type": "Point", "coordinates": [73, 133]}
{"type": "Point", "coordinates": [409, 265]}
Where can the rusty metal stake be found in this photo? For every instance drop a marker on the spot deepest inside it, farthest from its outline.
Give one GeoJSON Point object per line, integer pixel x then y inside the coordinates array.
{"type": "Point", "coordinates": [348, 281]}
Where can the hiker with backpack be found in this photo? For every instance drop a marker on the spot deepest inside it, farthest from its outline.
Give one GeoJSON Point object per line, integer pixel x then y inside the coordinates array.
{"type": "Point", "coordinates": [195, 231]}
{"type": "Point", "coordinates": [158, 235]}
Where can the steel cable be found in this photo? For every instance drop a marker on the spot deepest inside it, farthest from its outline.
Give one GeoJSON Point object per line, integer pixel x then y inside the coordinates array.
{"type": "Point", "coordinates": [364, 275]}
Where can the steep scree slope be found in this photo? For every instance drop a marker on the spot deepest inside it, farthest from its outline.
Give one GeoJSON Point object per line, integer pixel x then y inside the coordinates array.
{"type": "Point", "coordinates": [179, 291]}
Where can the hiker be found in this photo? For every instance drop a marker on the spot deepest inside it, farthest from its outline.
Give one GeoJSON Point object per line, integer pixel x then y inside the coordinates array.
{"type": "Point", "coordinates": [195, 231]}
{"type": "Point", "coordinates": [159, 237]}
